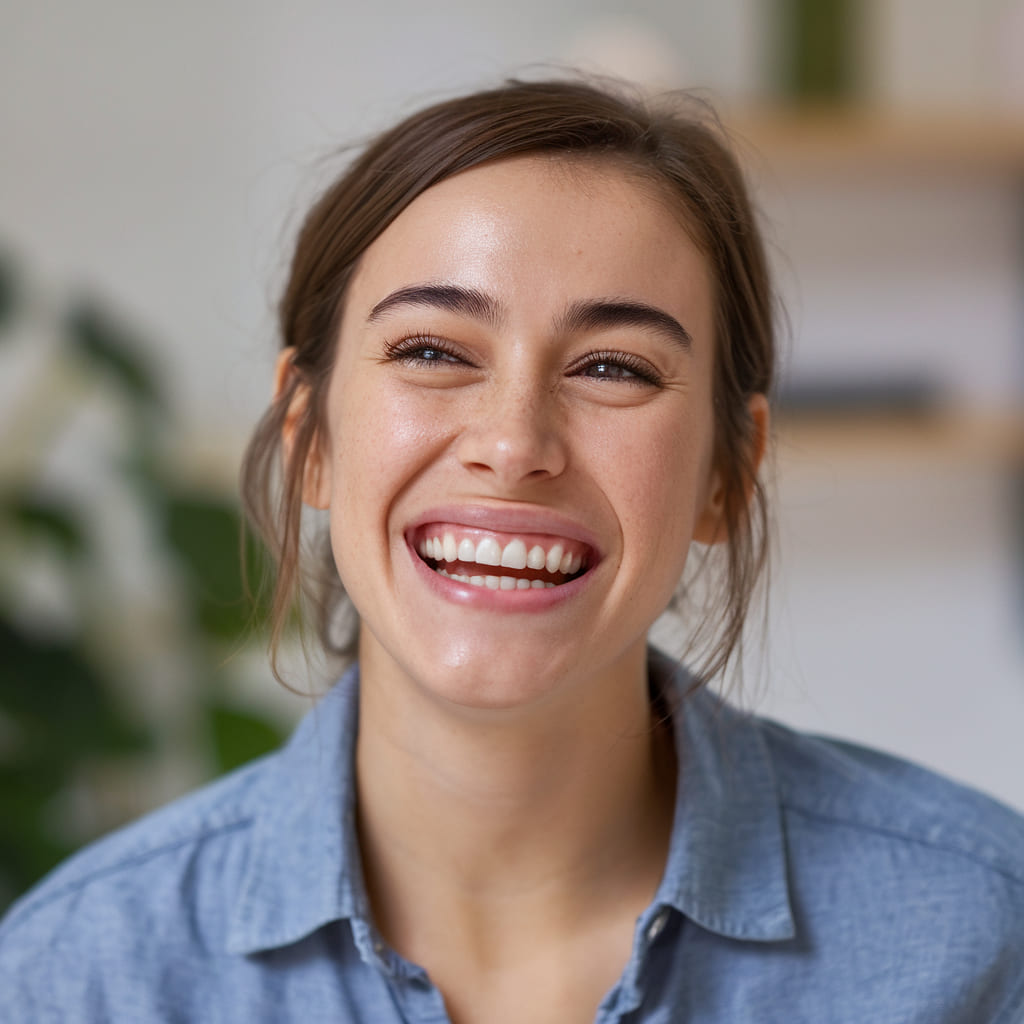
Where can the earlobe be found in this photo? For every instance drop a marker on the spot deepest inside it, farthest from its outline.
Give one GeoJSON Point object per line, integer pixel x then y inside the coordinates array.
{"type": "Point", "coordinates": [288, 387]}
{"type": "Point", "coordinates": [712, 527]}
{"type": "Point", "coordinates": [760, 417]}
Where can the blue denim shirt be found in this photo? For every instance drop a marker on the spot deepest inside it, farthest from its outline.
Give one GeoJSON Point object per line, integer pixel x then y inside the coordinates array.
{"type": "Point", "coordinates": [807, 881]}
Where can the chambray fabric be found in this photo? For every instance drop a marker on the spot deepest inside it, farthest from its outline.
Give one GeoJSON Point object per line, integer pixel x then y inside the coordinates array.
{"type": "Point", "coordinates": [807, 881]}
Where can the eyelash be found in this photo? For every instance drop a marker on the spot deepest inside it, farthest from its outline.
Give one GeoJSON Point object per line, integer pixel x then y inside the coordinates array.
{"type": "Point", "coordinates": [642, 373]}
{"type": "Point", "coordinates": [410, 350]}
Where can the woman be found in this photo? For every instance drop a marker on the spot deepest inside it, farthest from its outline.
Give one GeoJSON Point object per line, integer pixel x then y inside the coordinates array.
{"type": "Point", "coordinates": [527, 343]}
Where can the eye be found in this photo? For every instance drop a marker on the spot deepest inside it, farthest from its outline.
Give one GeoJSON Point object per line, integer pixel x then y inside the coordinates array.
{"type": "Point", "coordinates": [423, 350]}
{"type": "Point", "coordinates": [616, 366]}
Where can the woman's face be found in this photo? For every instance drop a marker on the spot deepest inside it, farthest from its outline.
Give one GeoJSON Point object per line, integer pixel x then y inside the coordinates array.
{"type": "Point", "coordinates": [518, 441]}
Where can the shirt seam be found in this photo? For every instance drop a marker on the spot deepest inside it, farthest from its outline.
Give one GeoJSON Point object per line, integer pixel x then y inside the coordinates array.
{"type": "Point", "coordinates": [891, 833]}
{"type": "Point", "coordinates": [41, 900]}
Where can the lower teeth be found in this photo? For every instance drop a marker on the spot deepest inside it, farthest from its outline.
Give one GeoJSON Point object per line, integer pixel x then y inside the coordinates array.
{"type": "Point", "coordinates": [497, 582]}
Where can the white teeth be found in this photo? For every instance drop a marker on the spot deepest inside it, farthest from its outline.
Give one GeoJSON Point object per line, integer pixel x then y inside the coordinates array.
{"type": "Point", "coordinates": [450, 548]}
{"type": "Point", "coordinates": [488, 552]}
{"type": "Point", "coordinates": [537, 557]}
{"type": "Point", "coordinates": [497, 582]}
{"type": "Point", "coordinates": [514, 555]}
{"type": "Point", "coordinates": [554, 558]}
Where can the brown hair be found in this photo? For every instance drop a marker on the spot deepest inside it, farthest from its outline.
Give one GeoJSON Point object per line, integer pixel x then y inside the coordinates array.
{"type": "Point", "coordinates": [674, 143]}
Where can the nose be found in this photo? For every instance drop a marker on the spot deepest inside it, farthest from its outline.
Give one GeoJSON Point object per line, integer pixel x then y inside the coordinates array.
{"type": "Point", "coordinates": [515, 435]}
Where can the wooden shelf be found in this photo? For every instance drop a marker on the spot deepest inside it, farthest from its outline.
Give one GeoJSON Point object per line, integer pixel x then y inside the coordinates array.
{"type": "Point", "coordinates": [864, 140]}
{"type": "Point", "coordinates": [948, 436]}
{"type": "Point", "coordinates": [844, 144]}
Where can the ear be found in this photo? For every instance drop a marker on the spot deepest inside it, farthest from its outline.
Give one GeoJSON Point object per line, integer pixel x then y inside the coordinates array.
{"type": "Point", "coordinates": [711, 527]}
{"type": "Point", "coordinates": [316, 489]}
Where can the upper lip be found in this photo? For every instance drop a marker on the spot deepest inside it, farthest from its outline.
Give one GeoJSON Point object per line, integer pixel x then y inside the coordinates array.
{"type": "Point", "coordinates": [509, 519]}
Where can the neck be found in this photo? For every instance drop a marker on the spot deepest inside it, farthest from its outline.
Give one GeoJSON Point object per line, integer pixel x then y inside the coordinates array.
{"type": "Point", "coordinates": [497, 823]}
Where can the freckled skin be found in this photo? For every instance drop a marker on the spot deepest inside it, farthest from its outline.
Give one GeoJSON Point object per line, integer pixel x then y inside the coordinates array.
{"type": "Point", "coordinates": [512, 423]}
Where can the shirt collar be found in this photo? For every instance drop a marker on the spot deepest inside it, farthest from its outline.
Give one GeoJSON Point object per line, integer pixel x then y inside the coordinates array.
{"type": "Point", "coordinates": [304, 867]}
{"type": "Point", "coordinates": [726, 867]}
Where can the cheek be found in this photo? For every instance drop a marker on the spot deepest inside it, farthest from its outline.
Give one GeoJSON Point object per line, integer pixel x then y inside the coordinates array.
{"type": "Point", "coordinates": [662, 479]}
{"type": "Point", "coordinates": [381, 435]}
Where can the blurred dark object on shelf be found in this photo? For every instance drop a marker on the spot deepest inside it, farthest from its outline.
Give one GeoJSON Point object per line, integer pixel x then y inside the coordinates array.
{"type": "Point", "coordinates": [818, 50]}
{"type": "Point", "coordinates": [909, 395]}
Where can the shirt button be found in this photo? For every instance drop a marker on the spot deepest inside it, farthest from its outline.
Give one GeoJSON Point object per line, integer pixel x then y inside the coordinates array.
{"type": "Point", "coordinates": [657, 926]}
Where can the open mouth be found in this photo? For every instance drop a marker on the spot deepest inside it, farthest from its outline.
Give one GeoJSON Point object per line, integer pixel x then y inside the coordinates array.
{"type": "Point", "coordinates": [501, 561]}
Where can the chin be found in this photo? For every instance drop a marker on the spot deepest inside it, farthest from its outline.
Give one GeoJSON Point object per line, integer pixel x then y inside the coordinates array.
{"type": "Point", "coordinates": [462, 677]}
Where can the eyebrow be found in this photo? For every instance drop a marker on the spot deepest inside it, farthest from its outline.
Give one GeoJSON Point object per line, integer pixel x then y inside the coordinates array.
{"type": "Point", "coordinates": [452, 298]}
{"type": "Point", "coordinates": [602, 314]}
{"type": "Point", "coordinates": [581, 316]}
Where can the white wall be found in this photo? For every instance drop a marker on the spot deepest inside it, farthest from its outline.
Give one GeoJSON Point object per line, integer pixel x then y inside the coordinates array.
{"type": "Point", "coordinates": [158, 153]}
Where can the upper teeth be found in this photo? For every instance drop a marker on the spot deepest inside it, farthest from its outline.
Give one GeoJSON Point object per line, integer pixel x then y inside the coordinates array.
{"type": "Point", "coordinates": [514, 555]}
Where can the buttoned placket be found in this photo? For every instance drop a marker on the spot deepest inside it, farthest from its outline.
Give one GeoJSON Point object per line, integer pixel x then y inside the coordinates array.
{"type": "Point", "coordinates": [628, 994]}
{"type": "Point", "coordinates": [420, 999]}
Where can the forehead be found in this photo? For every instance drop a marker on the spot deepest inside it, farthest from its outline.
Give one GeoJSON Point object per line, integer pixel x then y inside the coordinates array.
{"type": "Point", "coordinates": [540, 230]}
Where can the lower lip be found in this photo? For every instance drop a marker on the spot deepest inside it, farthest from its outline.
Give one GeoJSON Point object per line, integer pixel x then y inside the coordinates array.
{"type": "Point", "coordinates": [532, 600]}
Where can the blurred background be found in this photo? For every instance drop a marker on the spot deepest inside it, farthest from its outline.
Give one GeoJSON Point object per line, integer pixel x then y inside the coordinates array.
{"type": "Point", "coordinates": [154, 162]}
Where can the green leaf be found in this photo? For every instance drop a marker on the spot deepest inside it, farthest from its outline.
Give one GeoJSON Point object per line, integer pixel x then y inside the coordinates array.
{"type": "Point", "coordinates": [239, 736]}
{"type": "Point", "coordinates": [205, 532]}
{"type": "Point", "coordinates": [28, 846]}
{"type": "Point", "coordinates": [114, 350]}
{"type": "Point", "coordinates": [44, 518]}
{"type": "Point", "coordinates": [56, 700]}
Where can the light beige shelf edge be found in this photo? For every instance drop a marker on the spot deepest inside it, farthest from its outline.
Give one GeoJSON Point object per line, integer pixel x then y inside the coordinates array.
{"type": "Point", "coordinates": [843, 140]}
{"type": "Point", "coordinates": [947, 437]}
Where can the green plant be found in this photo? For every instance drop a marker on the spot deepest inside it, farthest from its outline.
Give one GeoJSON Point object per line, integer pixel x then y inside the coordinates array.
{"type": "Point", "coordinates": [89, 621]}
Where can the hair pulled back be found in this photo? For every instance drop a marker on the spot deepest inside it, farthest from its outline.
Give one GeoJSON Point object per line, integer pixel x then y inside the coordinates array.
{"type": "Point", "coordinates": [676, 145]}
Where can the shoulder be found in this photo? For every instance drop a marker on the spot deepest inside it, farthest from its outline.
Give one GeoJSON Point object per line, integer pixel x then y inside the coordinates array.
{"type": "Point", "coordinates": [889, 860]}
{"type": "Point", "coordinates": [165, 879]}
{"type": "Point", "coordinates": [850, 787]}
{"type": "Point", "coordinates": [190, 913]}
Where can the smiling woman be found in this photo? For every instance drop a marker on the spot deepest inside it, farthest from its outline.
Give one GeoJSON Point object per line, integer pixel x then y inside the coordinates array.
{"type": "Point", "coordinates": [511, 343]}
{"type": "Point", "coordinates": [527, 344]}
{"type": "Point", "coordinates": [672, 173]}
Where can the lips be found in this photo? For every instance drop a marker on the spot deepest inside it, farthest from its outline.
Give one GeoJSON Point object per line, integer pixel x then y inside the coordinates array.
{"type": "Point", "coordinates": [498, 560]}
